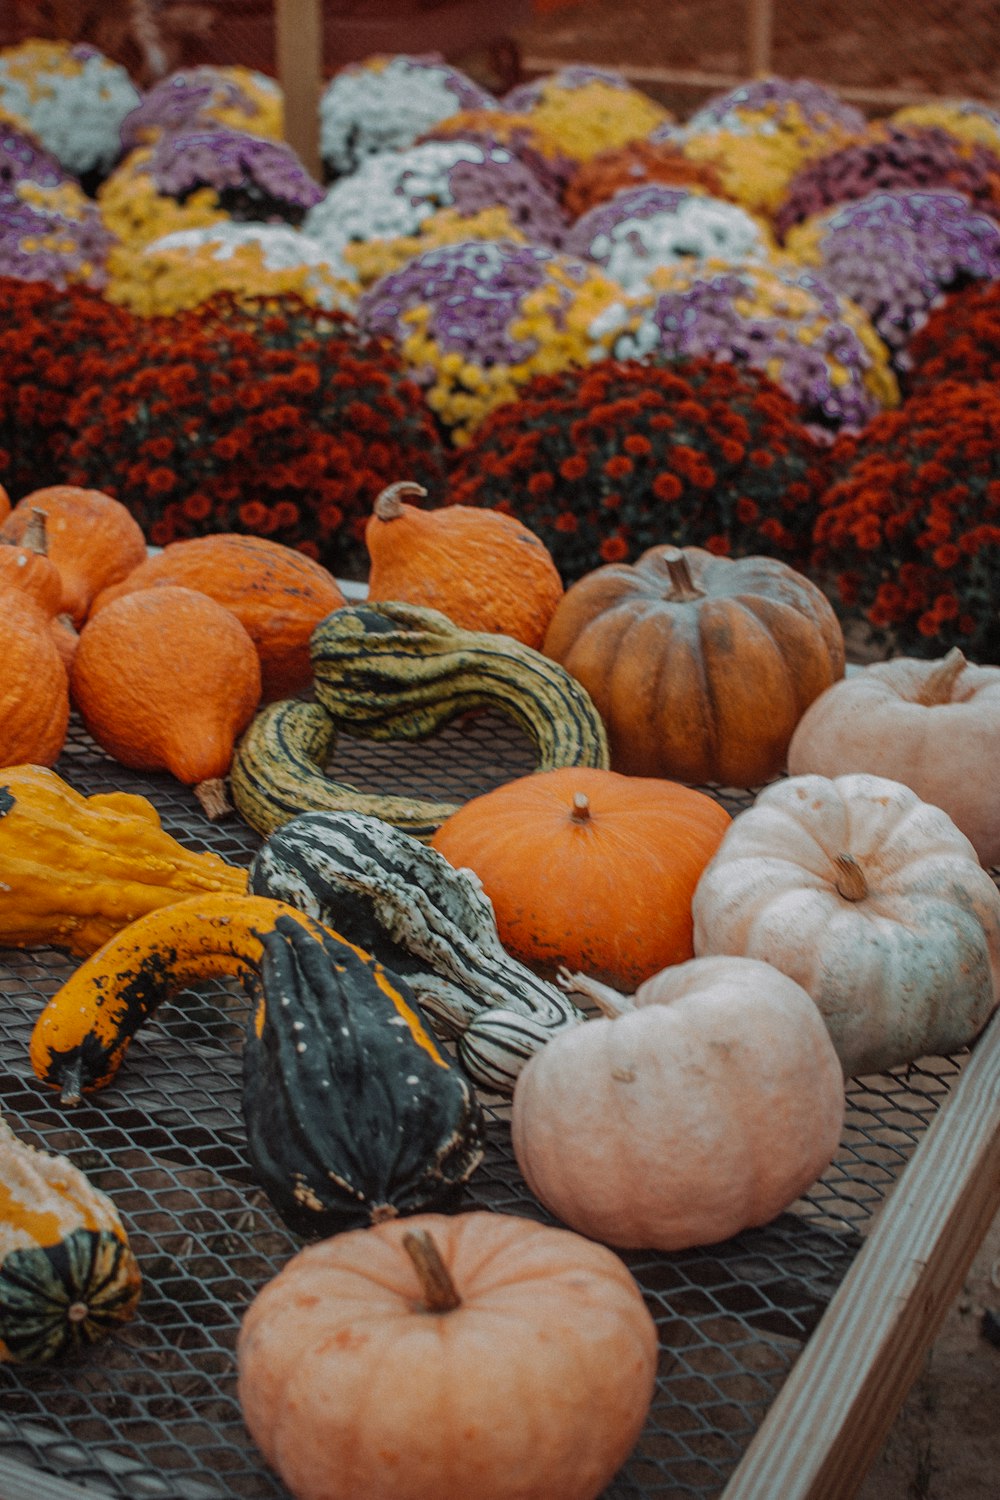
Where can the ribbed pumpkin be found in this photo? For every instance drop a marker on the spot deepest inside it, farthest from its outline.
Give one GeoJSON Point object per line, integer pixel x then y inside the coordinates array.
{"type": "Point", "coordinates": [27, 566]}
{"type": "Point", "coordinates": [68, 1276]}
{"type": "Point", "coordinates": [93, 540]}
{"type": "Point", "coordinates": [933, 725]}
{"type": "Point", "coordinates": [700, 666]}
{"type": "Point", "coordinates": [483, 569]}
{"type": "Point", "coordinates": [473, 1356]}
{"type": "Point", "coordinates": [278, 594]}
{"type": "Point", "coordinates": [34, 684]}
{"type": "Point", "coordinates": [589, 868]}
{"type": "Point", "coordinates": [166, 679]}
{"type": "Point", "coordinates": [869, 898]}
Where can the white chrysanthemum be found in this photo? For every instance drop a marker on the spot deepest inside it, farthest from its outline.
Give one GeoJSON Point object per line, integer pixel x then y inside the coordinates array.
{"type": "Point", "coordinates": [72, 99]}
{"type": "Point", "coordinates": [386, 105]}
{"type": "Point", "coordinates": [390, 195]}
{"type": "Point", "coordinates": [700, 229]}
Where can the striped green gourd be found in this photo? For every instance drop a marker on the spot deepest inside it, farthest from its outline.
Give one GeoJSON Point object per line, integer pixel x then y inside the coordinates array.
{"type": "Point", "coordinates": [429, 923]}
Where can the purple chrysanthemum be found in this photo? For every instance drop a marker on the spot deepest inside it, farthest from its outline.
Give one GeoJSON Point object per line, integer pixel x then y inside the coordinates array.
{"type": "Point", "coordinates": [818, 106]}
{"type": "Point", "coordinates": [24, 159]}
{"type": "Point", "coordinates": [47, 237]}
{"type": "Point", "coordinates": [895, 253]}
{"type": "Point", "coordinates": [193, 99]}
{"type": "Point", "coordinates": [252, 177]}
{"type": "Point", "coordinates": [891, 157]}
{"type": "Point", "coordinates": [574, 76]}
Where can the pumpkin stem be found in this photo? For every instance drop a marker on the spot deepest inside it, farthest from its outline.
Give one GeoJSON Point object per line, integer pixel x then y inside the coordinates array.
{"type": "Point", "coordinates": [212, 796]}
{"type": "Point", "coordinates": [937, 685]}
{"type": "Point", "coordinates": [435, 1279]}
{"type": "Point", "coordinates": [581, 808]}
{"type": "Point", "coordinates": [682, 585]}
{"type": "Point", "coordinates": [610, 1002]}
{"type": "Point", "coordinates": [850, 881]}
{"type": "Point", "coordinates": [388, 505]}
{"type": "Point", "coordinates": [35, 536]}
{"type": "Point", "coordinates": [77, 1311]}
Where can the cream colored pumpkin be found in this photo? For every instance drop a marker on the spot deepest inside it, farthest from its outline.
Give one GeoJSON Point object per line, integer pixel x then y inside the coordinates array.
{"type": "Point", "coordinates": [704, 1105]}
{"type": "Point", "coordinates": [934, 725]}
{"type": "Point", "coordinates": [869, 898]}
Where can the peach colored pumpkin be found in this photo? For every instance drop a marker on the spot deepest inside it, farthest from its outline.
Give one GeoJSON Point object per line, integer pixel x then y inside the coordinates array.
{"type": "Point", "coordinates": [588, 868]}
{"type": "Point", "coordinates": [166, 679]}
{"type": "Point", "coordinates": [934, 725]}
{"type": "Point", "coordinates": [93, 540]}
{"type": "Point", "coordinates": [360, 1378]}
{"type": "Point", "coordinates": [704, 1105]}
{"type": "Point", "coordinates": [873, 901]}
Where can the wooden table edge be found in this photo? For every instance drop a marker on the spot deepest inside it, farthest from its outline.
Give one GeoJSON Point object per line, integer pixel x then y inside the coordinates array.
{"type": "Point", "coordinates": [831, 1416]}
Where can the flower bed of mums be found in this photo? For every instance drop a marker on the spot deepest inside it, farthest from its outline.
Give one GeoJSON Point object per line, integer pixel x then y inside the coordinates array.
{"type": "Point", "coordinates": [277, 419]}
{"type": "Point", "coordinates": [607, 461]}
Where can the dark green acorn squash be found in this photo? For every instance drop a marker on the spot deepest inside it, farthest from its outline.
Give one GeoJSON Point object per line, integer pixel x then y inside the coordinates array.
{"type": "Point", "coordinates": [353, 1112]}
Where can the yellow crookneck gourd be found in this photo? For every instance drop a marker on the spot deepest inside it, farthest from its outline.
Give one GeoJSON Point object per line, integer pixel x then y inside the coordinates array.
{"type": "Point", "coordinates": [75, 870]}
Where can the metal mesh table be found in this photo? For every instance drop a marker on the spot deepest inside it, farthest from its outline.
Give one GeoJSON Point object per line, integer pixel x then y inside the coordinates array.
{"type": "Point", "coordinates": [151, 1414]}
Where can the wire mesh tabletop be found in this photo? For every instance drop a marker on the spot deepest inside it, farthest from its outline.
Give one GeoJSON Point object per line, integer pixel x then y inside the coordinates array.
{"type": "Point", "coordinates": [153, 1411]}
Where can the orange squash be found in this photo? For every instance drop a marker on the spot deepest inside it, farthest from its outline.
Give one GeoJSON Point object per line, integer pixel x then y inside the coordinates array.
{"type": "Point", "coordinates": [167, 679]}
{"type": "Point", "coordinates": [700, 666]}
{"type": "Point", "coordinates": [473, 1356]}
{"type": "Point", "coordinates": [483, 569]}
{"type": "Point", "coordinates": [93, 540]}
{"type": "Point", "coordinates": [4, 503]}
{"type": "Point", "coordinates": [34, 686]}
{"type": "Point", "coordinates": [29, 568]}
{"type": "Point", "coordinates": [279, 595]}
{"type": "Point", "coordinates": [588, 868]}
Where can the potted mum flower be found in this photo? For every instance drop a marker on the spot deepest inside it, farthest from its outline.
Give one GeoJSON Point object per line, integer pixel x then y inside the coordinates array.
{"type": "Point", "coordinates": [907, 535]}
{"type": "Point", "coordinates": [277, 418]}
{"type": "Point", "coordinates": [604, 462]}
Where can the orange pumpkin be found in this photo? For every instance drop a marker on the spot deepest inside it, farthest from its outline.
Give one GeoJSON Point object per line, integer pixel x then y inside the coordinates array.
{"type": "Point", "coordinates": [167, 679]}
{"type": "Point", "coordinates": [702, 1106]}
{"type": "Point", "coordinates": [589, 868]}
{"type": "Point", "coordinates": [477, 1356]}
{"type": "Point", "coordinates": [29, 568]}
{"type": "Point", "coordinates": [483, 569]}
{"type": "Point", "coordinates": [4, 503]}
{"type": "Point", "coordinates": [34, 688]}
{"type": "Point", "coordinates": [92, 539]}
{"type": "Point", "coordinates": [279, 595]}
{"type": "Point", "coordinates": [700, 666]}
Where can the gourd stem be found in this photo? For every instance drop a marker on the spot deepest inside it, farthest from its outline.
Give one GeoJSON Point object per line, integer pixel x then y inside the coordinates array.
{"type": "Point", "coordinates": [581, 808]}
{"type": "Point", "coordinates": [388, 505]}
{"type": "Point", "coordinates": [937, 686]}
{"type": "Point", "coordinates": [850, 881]}
{"type": "Point", "coordinates": [682, 585]}
{"type": "Point", "coordinates": [71, 1089]}
{"type": "Point", "coordinates": [610, 1002]}
{"type": "Point", "coordinates": [212, 796]}
{"type": "Point", "coordinates": [35, 536]}
{"type": "Point", "coordinates": [435, 1279]}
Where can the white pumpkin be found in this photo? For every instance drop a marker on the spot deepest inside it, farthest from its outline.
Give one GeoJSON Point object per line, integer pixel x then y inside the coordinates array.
{"type": "Point", "coordinates": [934, 725]}
{"type": "Point", "coordinates": [873, 901]}
{"type": "Point", "coordinates": [703, 1105]}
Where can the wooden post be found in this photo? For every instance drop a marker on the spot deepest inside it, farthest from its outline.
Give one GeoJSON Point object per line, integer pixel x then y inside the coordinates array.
{"type": "Point", "coordinates": [298, 30]}
{"type": "Point", "coordinates": [760, 33]}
